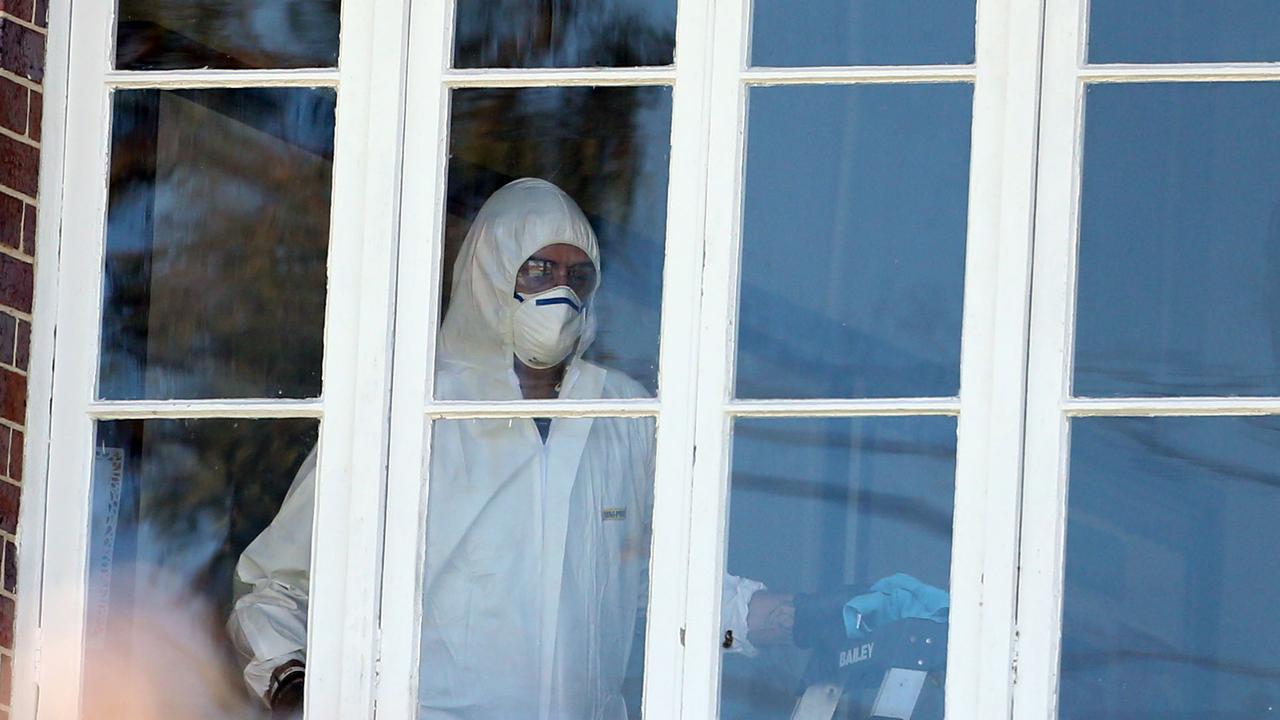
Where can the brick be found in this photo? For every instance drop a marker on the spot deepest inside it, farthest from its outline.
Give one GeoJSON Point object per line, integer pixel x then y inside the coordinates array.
{"type": "Point", "coordinates": [36, 115]}
{"type": "Point", "coordinates": [21, 50]}
{"type": "Point", "coordinates": [22, 346]}
{"type": "Point", "coordinates": [16, 278]}
{"type": "Point", "coordinates": [6, 622]}
{"type": "Point", "coordinates": [19, 165]}
{"type": "Point", "coordinates": [15, 456]}
{"type": "Point", "coordinates": [13, 396]}
{"type": "Point", "coordinates": [10, 567]}
{"type": "Point", "coordinates": [4, 451]}
{"type": "Point", "coordinates": [23, 9]}
{"type": "Point", "coordinates": [6, 679]}
{"type": "Point", "coordinates": [41, 18]}
{"type": "Point", "coordinates": [14, 106]}
{"type": "Point", "coordinates": [8, 337]}
{"type": "Point", "coordinates": [11, 211]}
{"type": "Point", "coordinates": [29, 230]}
{"type": "Point", "coordinates": [10, 497]}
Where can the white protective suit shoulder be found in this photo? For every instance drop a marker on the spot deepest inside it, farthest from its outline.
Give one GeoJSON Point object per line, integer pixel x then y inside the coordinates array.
{"type": "Point", "coordinates": [537, 552]}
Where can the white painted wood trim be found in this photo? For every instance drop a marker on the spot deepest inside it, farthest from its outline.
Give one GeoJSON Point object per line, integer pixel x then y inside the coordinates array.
{"type": "Point", "coordinates": [418, 308]}
{"type": "Point", "coordinates": [1166, 407]}
{"type": "Point", "coordinates": [844, 408]}
{"type": "Point", "coordinates": [32, 525]}
{"type": "Point", "coordinates": [980, 671]}
{"type": "Point", "coordinates": [543, 408]}
{"type": "Point", "coordinates": [347, 534]}
{"type": "Point", "coordinates": [1049, 361]}
{"type": "Point", "coordinates": [189, 79]}
{"type": "Point", "coordinates": [678, 364]}
{"type": "Point", "coordinates": [1204, 72]}
{"type": "Point", "coordinates": [569, 77]}
{"type": "Point", "coordinates": [129, 409]}
{"type": "Point", "coordinates": [860, 75]}
{"type": "Point", "coordinates": [716, 352]}
{"type": "Point", "coordinates": [84, 177]}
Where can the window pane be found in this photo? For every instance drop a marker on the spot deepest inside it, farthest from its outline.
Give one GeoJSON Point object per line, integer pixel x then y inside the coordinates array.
{"type": "Point", "coordinates": [217, 238]}
{"type": "Point", "coordinates": [226, 34]}
{"type": "Point", "coordinates": [854, 512]}
{"type": "Point", "coordinates": [1168, 599]}
{"type": "Point", "coordinates": [1179, 272]}
{"type": "Point", "coordinates": [862, 32]}
{"type": "Point", "coordinates": [537, 563]}
{"type": "Point", "coordinates": [564, 33]}
{"type": "Point", "coordinates": [853, 241]}
{"type": "Point", "coordinates": [1158, 31]}
{"type": "Point", "coordinates": [593, 164]}
{"type": "Point", "coordinates": [175, 503]}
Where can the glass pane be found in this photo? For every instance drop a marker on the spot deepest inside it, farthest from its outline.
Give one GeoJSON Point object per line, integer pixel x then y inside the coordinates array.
{"type": "Point", "coordinates": [1158, 31]}
{"type": "Point", "coordinates": [564, 33]}
{"type": "Point", "coordinates": [862, 32]}
{"type": "Point", "coordinates": [1168, 606]}
{"type": "Point", "coordinates": [217, 239]}
{"type": "Point", "coordinates": [1179, 272]}
{"type": "Point", "coordinates": [847, 523]}
{"type": "Point", "coordinates": [226, 34]}
{"type": "Point", "coordinates": [537, 562]}
{"type": "Point", "coordinates": [590, 211]}
{"type": "Point", "coordinates": [867, 187]}
{"type": "Point", "coordinates": [175, 503]}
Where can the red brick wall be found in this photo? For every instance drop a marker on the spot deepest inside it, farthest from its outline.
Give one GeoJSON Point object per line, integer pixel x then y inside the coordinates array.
{"type": "Point", "coordinates": [22, 52]}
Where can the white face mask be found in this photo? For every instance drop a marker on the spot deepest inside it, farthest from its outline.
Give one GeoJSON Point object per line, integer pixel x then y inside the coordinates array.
{"type": "Point", "coordinates": [546, 326]}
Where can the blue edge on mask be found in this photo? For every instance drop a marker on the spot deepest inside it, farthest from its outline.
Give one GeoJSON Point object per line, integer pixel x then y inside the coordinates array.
{"type": "Point", "coordinates": [894, 598]}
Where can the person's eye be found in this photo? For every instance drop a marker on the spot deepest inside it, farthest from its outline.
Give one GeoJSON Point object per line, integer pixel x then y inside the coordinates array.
{"type": "Point", "coordinates": [537, 268]}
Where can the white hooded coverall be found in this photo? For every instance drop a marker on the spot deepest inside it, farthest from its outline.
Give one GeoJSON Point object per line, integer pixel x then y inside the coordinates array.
{"type": "Point", "coordinates": [537, 553]}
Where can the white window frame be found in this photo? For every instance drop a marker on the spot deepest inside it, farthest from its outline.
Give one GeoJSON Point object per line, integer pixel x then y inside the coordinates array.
{"type": "Point", "coordinates": [352, 409]}
{"type": "Point", "coordinates": [992, 364]}
{"type": "Point", "coordinates": [393, 81]}
{"type": "Point", "coordinates": [682, 675]}
{"type": "Point", "coordinates": [1050, 404]}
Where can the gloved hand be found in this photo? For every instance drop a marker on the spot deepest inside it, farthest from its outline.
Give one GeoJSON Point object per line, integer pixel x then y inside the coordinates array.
{"type": "Point", "coordinates": [894, 598]}
{"type": "Point", "coordinates": [284, 695]}
{"type": "Point", "coordinates": [852, 611]}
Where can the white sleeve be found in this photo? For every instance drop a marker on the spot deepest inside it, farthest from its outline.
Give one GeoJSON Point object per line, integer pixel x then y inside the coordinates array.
{"type": "Point", "coordinates": [268, 625]}
{"type": "Point", "coordinates": [735, 602]}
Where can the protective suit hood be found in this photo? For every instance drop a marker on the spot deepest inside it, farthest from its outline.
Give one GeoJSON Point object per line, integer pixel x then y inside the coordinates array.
{"type": "Point", "coordinates": [516, 221]}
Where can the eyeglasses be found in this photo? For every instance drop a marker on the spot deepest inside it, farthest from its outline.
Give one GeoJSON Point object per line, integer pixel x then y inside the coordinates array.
{"type": "Point", "coordinates": [538, 274]}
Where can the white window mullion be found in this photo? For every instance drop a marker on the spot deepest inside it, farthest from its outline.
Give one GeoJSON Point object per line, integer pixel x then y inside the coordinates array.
{"type": "Point", "coordinates": [681, 304]}
{"type": "Point", "coordinates": [726, 117]}
{"type": "Point", "coordinates": [346, 547]}
{"type": "Point", "coordinates": [32, 523]}
{"type": "Point", "coordinates": [1049, 362]}
{"type": "Point", "coordinates": [993, 362]}
{"type": "Point", "coordinates": [67, 523]}
{"type": "Point", "coordinates": [417, 312]}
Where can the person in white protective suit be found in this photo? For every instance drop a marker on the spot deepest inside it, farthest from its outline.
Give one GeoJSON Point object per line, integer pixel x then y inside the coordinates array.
{"type": "Point", "coordinates": [538, 530]}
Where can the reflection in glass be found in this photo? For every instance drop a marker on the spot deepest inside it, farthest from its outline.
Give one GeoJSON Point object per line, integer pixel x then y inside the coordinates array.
{"type": "Point", "coordinates": [1159, 31]}
{"type": "Point", "coordinates": [607, 149]}
{"type": "Point", "coordinates": [1179, 271]}
{"type": "Point", "coordinates": [1169, 599]}
{"type": "Point", "coordinates": [536, 568]}
{"type": "Point", "coordinates": [174, 504]}
{"type": "Point", "coordinates": [217, 238]}
{"type": "Point", "coordinates": [564, 33]}
{"type": "Point", "coordinates": [226, 34]}
{"type": "Point", "coordinates": [854, 241]}
{"type": "Point", "coordinates": [827, 507]}
{"type": "Point", "coordinates": [862, 32]}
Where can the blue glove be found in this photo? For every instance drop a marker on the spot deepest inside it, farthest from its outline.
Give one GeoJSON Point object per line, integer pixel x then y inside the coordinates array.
{"type": "Point", "coordinates": [891, 599]}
